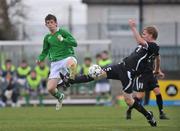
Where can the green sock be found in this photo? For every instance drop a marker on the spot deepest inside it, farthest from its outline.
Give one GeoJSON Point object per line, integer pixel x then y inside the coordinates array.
{"type": "Point", "coordinates": [27, 99]}
{"type": "Point", "coordinates": [98, 98]}
{"type": "Point", "coordinates": [40, 100]}
{"type": "Point", "coordinates": [58, 95]}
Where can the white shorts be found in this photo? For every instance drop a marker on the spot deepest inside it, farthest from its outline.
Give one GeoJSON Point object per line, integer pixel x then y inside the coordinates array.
{"type": "Point", "coordinates": [102, 87]}
{"type": "Point", "coordinates": [59, 66]}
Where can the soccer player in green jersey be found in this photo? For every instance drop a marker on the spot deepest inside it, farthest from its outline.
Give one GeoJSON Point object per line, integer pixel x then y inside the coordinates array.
{"type": "Point", "coordinates": [58, 45]}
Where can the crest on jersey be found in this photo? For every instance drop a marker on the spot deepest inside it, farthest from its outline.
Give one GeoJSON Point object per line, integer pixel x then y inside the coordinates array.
{"type": "Point", "coordinates": [60, 38]}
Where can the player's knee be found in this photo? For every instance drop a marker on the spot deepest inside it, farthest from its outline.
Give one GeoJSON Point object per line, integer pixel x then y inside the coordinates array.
{"type": "Point", "coordinates": [140, 95]}
{"type": "Point", "coordinates": [51, 87]}
{"type": "Point", "coordinates": [72, 63]}
{"type": "Point", "coordinates": [156, 91]}
{"type": "Point", "coordinates": [73, 66]}
{"type": "Point", "coordinates": [128, 99]}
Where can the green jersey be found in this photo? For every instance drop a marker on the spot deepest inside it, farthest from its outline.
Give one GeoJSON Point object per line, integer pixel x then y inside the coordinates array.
{"type": "Point", "coordinates": [56, 48]}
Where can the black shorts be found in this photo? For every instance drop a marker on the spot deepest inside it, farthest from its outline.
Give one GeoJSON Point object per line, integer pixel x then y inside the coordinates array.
{"type": "Point", "coordinates": [146, 81]}
{"type": "Point", "coordinates": [120, 72]}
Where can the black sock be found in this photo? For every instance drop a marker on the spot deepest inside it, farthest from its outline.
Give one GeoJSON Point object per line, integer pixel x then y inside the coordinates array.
{"type": "Point", "coordinates": [137, 100]}
{"type": "Point", "coordinates": [146, 98]}
{"type": "Point", "coordinates": [130, 108]}
{"type": "Point", "coordinates": [81, 79]}
{"type": "Point", "coordinates": [140, 108]}
{"type": "Point", "coordinates": [159, 102]}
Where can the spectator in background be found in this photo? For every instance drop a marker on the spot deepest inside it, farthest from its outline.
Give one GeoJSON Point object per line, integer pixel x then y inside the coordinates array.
{"type": "Point", "coordinates": [9, 85]}
{"type": "Point", "coordinates": [102, 88]}
{"type": "Point", "coordinates": [8, 67]}
{"type": "Point", "coordinates": [98, 58]}
{"type": "Point", "coordinates": [33, 87]}
{"type": "Point", "coordinates": [22, 72]}
{"type": "Point", "coordinates": [85, 67]}
{"type": "Point", "coordinates": [84, 71]}
{"type": "Point", "coordinates": [43, 71]}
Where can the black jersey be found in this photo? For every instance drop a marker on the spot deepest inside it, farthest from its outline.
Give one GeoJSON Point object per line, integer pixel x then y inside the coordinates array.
{"type": "Point", "coordinates": [151, 58]}
{"type": "Point", "coordinates": [142, 57]}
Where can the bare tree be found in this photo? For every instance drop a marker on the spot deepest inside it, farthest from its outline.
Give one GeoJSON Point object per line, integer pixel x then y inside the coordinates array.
{"type": "Point", "coordinates": [12, 16]}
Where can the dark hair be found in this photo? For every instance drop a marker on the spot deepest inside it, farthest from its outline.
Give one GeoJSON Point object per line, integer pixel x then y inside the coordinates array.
{"type": "Point", "coordinates": [8, 61]}
{"type": "Point", "coordinates": [50, 17]}
{"type": "Point", "coordinates": [33, 70]}
{"type": "Point", "coordinates": [105, 52]}
{"type": "Point", "coordinates": [152, 31]}
{"type": "Point", "coordinates": [98, 55]}
{"type": "Point", "coordinates": [23, 61]}
{"type": "Point", "coordinates": [87, 59]}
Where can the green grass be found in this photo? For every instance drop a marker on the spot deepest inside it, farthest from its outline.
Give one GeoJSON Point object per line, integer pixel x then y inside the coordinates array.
{"type": "Point", "coordinates": [83, 118]}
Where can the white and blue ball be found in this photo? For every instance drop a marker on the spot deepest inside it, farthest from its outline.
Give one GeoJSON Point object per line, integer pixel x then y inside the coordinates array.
{"type": "Point", "coordinates": [94, 71]}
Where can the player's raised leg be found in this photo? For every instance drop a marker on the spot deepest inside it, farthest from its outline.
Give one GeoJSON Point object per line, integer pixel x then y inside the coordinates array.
{"type": "Point", "coordinates": [72, 67]}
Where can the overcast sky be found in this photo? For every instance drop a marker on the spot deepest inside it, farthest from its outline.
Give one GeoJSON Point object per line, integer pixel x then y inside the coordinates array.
{"type": "Point", "coordinates": [38, 9]}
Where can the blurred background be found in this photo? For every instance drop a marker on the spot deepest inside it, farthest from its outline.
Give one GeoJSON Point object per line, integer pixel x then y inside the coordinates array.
{"type": "Point", "coordinates": [102, 31]}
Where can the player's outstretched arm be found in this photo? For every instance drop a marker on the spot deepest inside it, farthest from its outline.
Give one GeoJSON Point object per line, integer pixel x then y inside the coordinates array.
{"type": "Point", "coordinates": [157, 70]}
{"type": "Point", "coordinates": [136, 34]}
{"type": "Point", "coordinates": [45, 50]}
{"type": "Point", "coordinates": [157, 63]}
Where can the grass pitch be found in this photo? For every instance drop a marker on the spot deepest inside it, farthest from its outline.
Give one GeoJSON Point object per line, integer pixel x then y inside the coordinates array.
{"type": "Point", "coordinates": [83, 118]}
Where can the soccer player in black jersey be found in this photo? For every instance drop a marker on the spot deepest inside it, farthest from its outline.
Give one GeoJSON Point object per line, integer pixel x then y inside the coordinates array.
{"type": "Point", "coordinates": [148, 80]}
{"type": "Point", "coordinates": [126, 71]}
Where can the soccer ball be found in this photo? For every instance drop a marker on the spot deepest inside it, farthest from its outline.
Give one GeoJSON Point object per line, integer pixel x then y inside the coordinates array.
{"type": "Point", "coordinates": [94, 71]}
